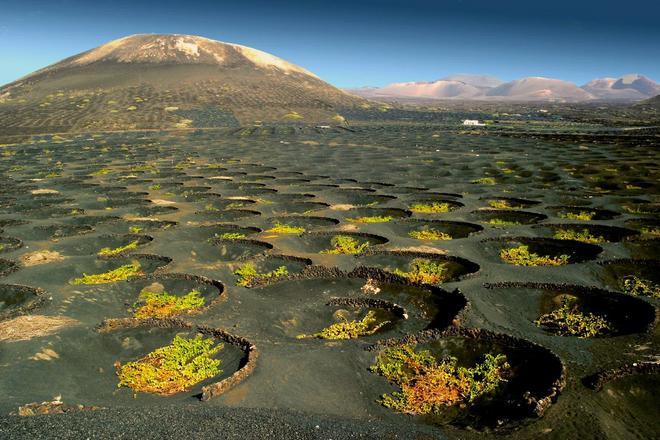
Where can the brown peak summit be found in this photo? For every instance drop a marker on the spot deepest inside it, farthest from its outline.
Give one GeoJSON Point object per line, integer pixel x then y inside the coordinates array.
{"type": "Point", "coordinates": [179, 49]}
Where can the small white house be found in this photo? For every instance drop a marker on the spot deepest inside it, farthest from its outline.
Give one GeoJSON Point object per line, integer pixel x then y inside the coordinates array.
{"type": "Point", "coordinates": [473, 122]}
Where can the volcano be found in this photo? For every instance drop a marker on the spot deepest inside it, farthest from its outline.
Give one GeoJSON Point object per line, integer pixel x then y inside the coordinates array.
{"type": "Point", "coordinates": [168, 82]}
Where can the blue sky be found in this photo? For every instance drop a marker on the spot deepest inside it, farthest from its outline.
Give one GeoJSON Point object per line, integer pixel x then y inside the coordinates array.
{"type": "Point", "coordinates": [355, 43]}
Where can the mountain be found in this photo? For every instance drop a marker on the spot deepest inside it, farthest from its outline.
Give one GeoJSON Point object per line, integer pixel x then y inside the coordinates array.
{"type": "Point", "coordinates": [637, 82]}
{"type": "Point", "coordinates": [539, 89]}
{"type": "Point", "coordinates": [167, 81]}
{"type": "Point", "coordinates": [478, 87]}
{"type": "Point", "coordinates": [632, 87]}
{"type": "Point", "coordinates": [482, 87]}
{"type": "Point", "coordinates": [651, 103]}
{"type": "Point", "coordinates": [435, 89]}
{"type": "Point", "coordinates": [481, 81]}
{"type": "Point", "coordinates": [452, 87]}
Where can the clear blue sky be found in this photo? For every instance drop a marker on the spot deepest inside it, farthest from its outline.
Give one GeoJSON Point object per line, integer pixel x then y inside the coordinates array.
{"type": "Point", "coordinates": [354, 43]}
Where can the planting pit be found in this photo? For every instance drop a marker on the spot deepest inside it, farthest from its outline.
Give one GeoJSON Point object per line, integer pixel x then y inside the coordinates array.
{"type": "Point", "coordinates": [648, 228]}
{"type": "Point", "coordinates": [268, 269]}
{"type": "Point", "coordinates": [587, 233]}
{"type": "Point", "coordinates": [326, 242]}
{"type": "Point", "coordinates": [583, 213]}
{"type": "Point", "coordinates": [435, 229]}
{"type": "Point", "coordinates": [102, 246]}
{"type": "Point", "coordinates": [206, 232]}
{"type": "Point", "coordinates": [297, 207]}
{"type": "Point", "coordinates": [8, 244]}
{"type": "Point", "coordinates": [633, 276]}
{"type": "Point", "coordinates": [347, 319]}
{"type": "Point", "coordinates": [239, 248]}
{"type": "Point", "coordinates": [419, 267]}
{"type": "Point", "coordinates": [532, 251]}
{"type": "Point", "coordinates": [325, 291]}
{"type": "Point", "coordinates": [53, 212]}
{"type": "Point", "coordinates": [534, 378]}
{"type": "Point", "coordinates": [510, 203]}
{"type": "Point", "coordinates": [126, 340]}
{"type": "Point", "coordinates": [10, 222]}
{"type": "Point", "coordinates": [357, 197]}
{"type": "Point", "coordinates": [648, 248]}
{"type": "Point", "coordinates": [227, 215]}
{"type": "Point", "coordinates": [18, 300]}
{"type": "Point", "coordinates": [135, 225]}
{"type": "Point", "coordinates": [375, 215]}
{"type": "Point", "coordinates": [502, 217]}
{"type": "Point", "coordinates": [525, 303]}
{"type": "Point", "coordinates": [433, 206]}
{"type": "Point", "coordinates": [169, 295]}
{"type": "Point", "coordinates": [308, 223]}
{"type": "Point", "coordinates": [149, 211]}
{"type": "Point", "coordinates": [116, 269]}
{"type": "Point", "coordinates": [45, 232]}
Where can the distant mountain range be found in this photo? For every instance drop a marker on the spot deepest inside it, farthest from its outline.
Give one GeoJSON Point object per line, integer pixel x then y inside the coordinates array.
{"type": "Point", "coordinates": [631, 87]}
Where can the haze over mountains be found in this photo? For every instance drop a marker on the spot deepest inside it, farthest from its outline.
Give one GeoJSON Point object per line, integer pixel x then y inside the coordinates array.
{"type": "Point", "coordinates": [479, 87]}
{"type": "Point", "coordinates": [168, 81]}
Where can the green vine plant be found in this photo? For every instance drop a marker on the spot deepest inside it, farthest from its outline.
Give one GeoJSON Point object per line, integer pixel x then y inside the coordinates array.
{"type": "Point", "coordinates": [345, 244]}
{"type": "Point", "coordinates": [372, 219]}
{"type": "Point", "coordinates": [100, 172]}
{"type": "Point", "coordinates": [635, 286]}
{"type": "Point", "coordinates": [650, 231]}
{"type": "Point", "coordinates": [232, 236]}
{"type": "Point", "coordinates": [248, 273]}
{"type": "Point", "coordinates": [430, 208]}
{"type": "Point", "coordinates": [162, 304]}
{"type": "Point", "coordinates": [121, 273]}
{"type": "Point", "coordinates": [109, 252]}
{"type": "Point", "coordinates": [584, 236]}
{"type": "Point", "coordinates": [502, 222]}
{"type": "Point", "coordinates": [521, 256]}
{"type": "Point", "coordinates": [581, 215]}
{"type": "Point", "coordinates": [429, 234]}
{"type": "Point", "coordinates": [503, 204]}
{"type": "Point", "coordinates": [171, 369]}
{"type": "Point", "coordinates": [429, 386]}
{"type": "Point", "coordinates": [485, 181]}
{"type": "Point", "coordinates": [424, 271]}
{"type": "Point", "coordinates": [280, 228]}
{"type": "Point", "coordinates": [349, 329]}
{"type": "Point", "coordinates": [568, 320]}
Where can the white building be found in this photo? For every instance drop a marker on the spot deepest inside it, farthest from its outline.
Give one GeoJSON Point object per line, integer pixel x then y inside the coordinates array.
{"type": "Point", "coordinates": [473, 122]}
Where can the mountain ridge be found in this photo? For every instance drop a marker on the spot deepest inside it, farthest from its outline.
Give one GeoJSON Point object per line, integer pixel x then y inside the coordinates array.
{"type": "Point", "coordinates": [632, 87]}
